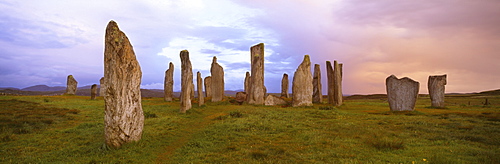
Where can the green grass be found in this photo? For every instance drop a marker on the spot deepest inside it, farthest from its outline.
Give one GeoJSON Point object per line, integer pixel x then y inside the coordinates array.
{"type": "Point", "coordinates": [64, 129]}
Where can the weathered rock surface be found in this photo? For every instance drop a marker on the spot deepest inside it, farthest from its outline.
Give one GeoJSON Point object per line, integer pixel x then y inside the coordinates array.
{"type": "Point", "coordinates": [186, 81]}
{"type": "Point", "coordinates": [317, 92]}
{"type": "Point", "coordinates": [199, 84]}
{"type": "Point", "coordinates": [302, 87]}
{"type": "Point", "coordinates": [436, 84]}
{"type": "Point", "coordinates": [241, 97]}
{"type": "Point", "coordinates": [284, 86]}
{"type": "Point", "coordinates": [102, 87]}
{"type": "Point", "coordinates": [247, 82]}
{"type": "Point", "coordinates": [71, 85]}
{"type": "Point", "coordinates": [208, 86]}
{"type": "Point", "coordinates": [274, 100]}
{"type": "Point", "coordinates": [124, 118]}
{"type": "Point", "coordinates": [192, 90]}
{"type": "Point", "coordinates": [217, 81]}
{"type": "Point", "coordinates": [93, 91]}
{"type": "Point", "coordinates": [257, 91]}
{"type": "Point", "coordinates": [337, 84]}
{"type": "Point", "coordinates": [402, 93]}
{"type": "Point", "coordinates": [330, 82]}
{"type": "Point", "coordinates": [168, 83]}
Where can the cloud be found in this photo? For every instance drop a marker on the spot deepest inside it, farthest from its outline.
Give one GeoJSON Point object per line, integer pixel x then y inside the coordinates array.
{"type": "Point", "coordinates": [379, 38]}
{"type": "Point", "coordinates": [44, 41]}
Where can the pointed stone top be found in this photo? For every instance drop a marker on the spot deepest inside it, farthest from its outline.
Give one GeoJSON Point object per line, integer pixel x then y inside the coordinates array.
{"type": "Point", "coordinates": [248, 73]}
{"type": "Point", "coordinates": [170, 65]}
{"type": "Point", "coordinates": [306, 58]}
{"type": "Point", "coordinates": [328, 63]}
{"type": "Point", "coordinates": [214, 60]}
{"type": "Point", "coordinates": [184, 51]}
{"type": "Point", "coordinates": [70, 76]}
{"type": "Point", "coordinates": [112, 26]}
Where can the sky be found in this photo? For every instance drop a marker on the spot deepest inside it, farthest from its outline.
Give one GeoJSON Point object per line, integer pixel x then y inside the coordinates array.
{"type": "Point", "coordinates": [42, 42]}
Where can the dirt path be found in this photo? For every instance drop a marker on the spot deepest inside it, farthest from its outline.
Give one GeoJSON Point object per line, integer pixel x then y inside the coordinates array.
{"type": "Point", "coordinates": [187, 134]}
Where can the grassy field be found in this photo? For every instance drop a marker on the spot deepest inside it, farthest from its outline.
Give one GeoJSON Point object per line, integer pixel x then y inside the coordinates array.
{"type": "Point", "coordinates": [69, 129]}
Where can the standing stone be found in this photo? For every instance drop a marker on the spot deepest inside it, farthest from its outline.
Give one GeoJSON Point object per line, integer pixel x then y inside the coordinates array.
{"type": "Point", "coordinates": [257, 91]}
{"type": "Point", "coordinates": [102, 87]}
{"type": "Point", "coordinates": [401, 93]}
{"type": "Point", "coordinates": [71, 84]}
{"type": "Point", "coordinates": [186, 81]}
{"type": "Point", "coordinates": [93, 91]}
{"type": "Point", "coordinates": [435, 84]}
{"type": "Point", "coordinates": [217, 81]}
{"type": "Point", "coordinates": [192, 90]}
{"type": "Point", "coordinates": [337, 84]}
{"type": "Point", "coordinates": [317, 93]}
{"type": "Point", "coordinates": [302, 87]}
{"type": "Point", "coordinates": [168, 84]}
{"type": "Point", "coordinates": [274, 100]}
{"type": "Point", "coordinates": [247, 82]}
{"type": "Point", "coordinates": [124, 118]}
{"type": "Point", "coordinates": [330, 83]}
{"type": "Point", "coordinates": [284, 86]}
{"type": "Point", "coordinates": [241, 97]}
{"type": "Point", "coordinates": [208, 87]}
{"type": "Point", "coordinates": [199, 84]}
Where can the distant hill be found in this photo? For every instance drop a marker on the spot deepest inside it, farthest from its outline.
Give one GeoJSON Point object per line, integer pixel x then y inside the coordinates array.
{"type": "Point", "coordinates": [43, 88]}
{"type": "Point", "coordinates": [492, 92]}
{"type": "Point", "coordinates": [10, 88]}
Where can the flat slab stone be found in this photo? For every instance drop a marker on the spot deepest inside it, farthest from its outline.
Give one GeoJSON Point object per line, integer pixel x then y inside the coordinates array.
{"type": "Point", "coordinates": [436, 84]}
{"type": "Point", "coordinates": [274, 100]}
{"type": "Point", "coordinates": [402, 93]}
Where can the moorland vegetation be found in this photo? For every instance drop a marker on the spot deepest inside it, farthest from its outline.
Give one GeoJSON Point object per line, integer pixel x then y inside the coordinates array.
{"type": "Point", "coordinates": [51, 129]}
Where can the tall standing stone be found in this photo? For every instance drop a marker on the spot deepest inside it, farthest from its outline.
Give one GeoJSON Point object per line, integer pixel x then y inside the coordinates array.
{"type": "Point", "coordinates": [102, 87]}
{"type": "Point", "coordinates": [192, 90]}
{"type": "Point", "coordinates": [199, 84]}
{"type": "Point", "coordinates": [302, 86]}
{"type": "Point", "coordinates": [217, 81]}
{"type": "Point", "coordinates": [124, 118]}
{"type": "Point", "coordinates": [247, 82]}
{"type": "Point", "coordinates": [168, 84]}
{"type": "Point", "coordinates": [186, 81]}
{"type": "Point", "coordinates": [257, 89]}
{"type": "Point", "coordinates": [337, 83]}
{"type": "Point", "coordinates": [436, 84]}
{"type": "Point", "coordinates": [330, 83]}
{"type": "Point", "coordinates": [208, 86]}
{"type": "Point", "coordinates": [71, 84]}
{"type": "Point", "coordinates": [93, 91]}
{"type": "Point", "coordinates": [317, 92]}
{"type": "Point", "coordinates": [284, 86]}
{"type": "Point", "coordinates": [402, 93]}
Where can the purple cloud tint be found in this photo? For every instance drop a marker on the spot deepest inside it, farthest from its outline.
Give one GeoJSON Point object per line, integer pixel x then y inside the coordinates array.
{"type": "Point", "coordinates": [43, 42]}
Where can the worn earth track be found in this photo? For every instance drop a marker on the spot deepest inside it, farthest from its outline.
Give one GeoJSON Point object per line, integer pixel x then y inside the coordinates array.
{"type": "Point", "coordinates": [186, 135]}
